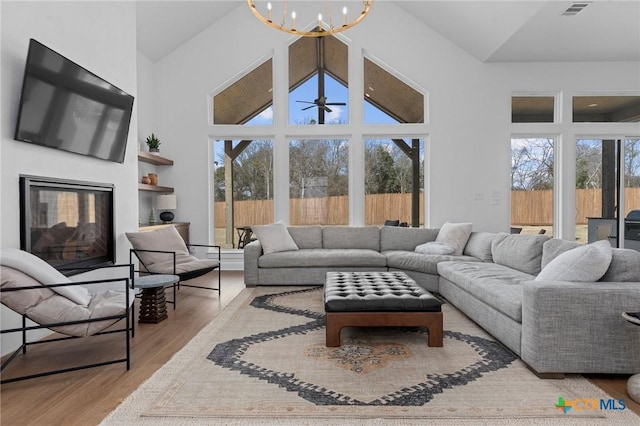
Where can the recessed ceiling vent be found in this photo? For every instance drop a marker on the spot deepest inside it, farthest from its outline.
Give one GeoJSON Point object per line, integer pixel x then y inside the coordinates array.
{"type": "Point", "coordinates": [574, 9]}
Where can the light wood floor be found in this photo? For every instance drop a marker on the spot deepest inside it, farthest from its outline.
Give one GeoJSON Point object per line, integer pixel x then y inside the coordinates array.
{"type": "Point", "coordinates": [86, 397]}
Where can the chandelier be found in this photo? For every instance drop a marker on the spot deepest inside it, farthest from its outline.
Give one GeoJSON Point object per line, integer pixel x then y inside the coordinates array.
{"type": "Point", "coordinates": [284, 19]}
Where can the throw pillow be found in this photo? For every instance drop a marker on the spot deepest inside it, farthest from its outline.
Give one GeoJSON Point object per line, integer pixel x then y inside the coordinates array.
{"type": "Point", "coordinates": [163, 239]}
{"type": "Point", "coordinates": [587, 263]}
{"type": "Point", "coordinates": [44, 273]}
{"type": "Point", "coordinates": [518, 251]}
{"type": "Point", "coordinates": [274, 238]}
{"type": "Point", "coordinates": [434, 247]}
{"type": "Point", "coordinates": [455, 235]}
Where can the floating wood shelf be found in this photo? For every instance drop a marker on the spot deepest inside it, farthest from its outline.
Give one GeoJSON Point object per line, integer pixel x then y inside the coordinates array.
{"type": "Point", "coordinates": [145, 157]}
{"type": "Point", "coordinates": [154, 188]}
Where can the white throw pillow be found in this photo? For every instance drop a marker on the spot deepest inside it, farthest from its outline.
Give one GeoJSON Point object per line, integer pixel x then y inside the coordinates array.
{"type": "Point", "coordinates": [274, 238]}
{"type": "Point", "coordinates": [163, 239]}
{"type": "Point", "coordinates": [455, 235]}
{"type": "Point", "coordinates": [587, 263]}
{"type": "Point", "coordinates": [433, 247]}
{"type": "Point", "coordinates": [43, 273]}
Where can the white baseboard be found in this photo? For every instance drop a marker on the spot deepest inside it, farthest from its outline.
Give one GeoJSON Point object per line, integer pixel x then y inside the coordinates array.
{"type": "Point", "coordinates": [232, 259]}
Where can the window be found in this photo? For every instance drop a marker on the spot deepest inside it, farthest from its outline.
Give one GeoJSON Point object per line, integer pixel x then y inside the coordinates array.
{"type": "Point", "coordinates": [383, 92]}
{"type": "Point", "coordinates": [532, 168]}
{"type": "Point", "coordinates": [532, 109]}
{"type": "Point", "coordinates": [250, 97]}
{"type": "Point", "coordinates": [391, 193]}
{"type": "Point", "coordinates": [318, 182]}
{"type": "Point", "coordinates": [318, 81]}
{"type": "Point", "coordinates": [248, 200]}
{"type": "Point", "coordinates": [606, 109]}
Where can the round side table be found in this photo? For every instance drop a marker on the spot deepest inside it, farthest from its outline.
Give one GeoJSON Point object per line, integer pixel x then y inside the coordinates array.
{"type": "Point", "coordinates": [153, 304]}
{"type": "Point", "coordinates": [633, 384]}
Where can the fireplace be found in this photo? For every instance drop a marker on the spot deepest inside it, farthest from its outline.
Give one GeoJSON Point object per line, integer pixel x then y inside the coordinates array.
{"type": "Point", "coordinates": [69, 224]}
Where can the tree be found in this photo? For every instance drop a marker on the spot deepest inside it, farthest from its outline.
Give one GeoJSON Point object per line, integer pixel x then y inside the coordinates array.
{"type": "Point", "coordinates": [532, 164]}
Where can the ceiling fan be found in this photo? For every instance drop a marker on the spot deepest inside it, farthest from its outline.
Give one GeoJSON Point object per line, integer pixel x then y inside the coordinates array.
{"type": "Point", "coordinates": [320, 102]}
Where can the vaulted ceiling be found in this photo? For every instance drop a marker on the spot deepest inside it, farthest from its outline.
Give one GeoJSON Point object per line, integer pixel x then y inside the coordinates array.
{"type": "Point", "coordinates": [492, 31]}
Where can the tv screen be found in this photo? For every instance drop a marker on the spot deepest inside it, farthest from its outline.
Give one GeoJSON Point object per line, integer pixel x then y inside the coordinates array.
{"type": "Point", "coordinates": [67, 107]}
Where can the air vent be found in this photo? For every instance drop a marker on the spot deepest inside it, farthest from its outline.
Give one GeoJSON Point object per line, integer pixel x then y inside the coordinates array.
{"type": "Point", "coordinates": [574, 9]}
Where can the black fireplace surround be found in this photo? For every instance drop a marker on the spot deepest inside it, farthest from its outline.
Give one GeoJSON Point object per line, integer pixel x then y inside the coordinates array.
{"type": "Point", "coordinates": [67, 223]}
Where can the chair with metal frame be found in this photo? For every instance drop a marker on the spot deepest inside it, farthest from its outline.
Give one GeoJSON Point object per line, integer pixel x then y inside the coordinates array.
{"type": "Point", "coordinates": [38, 292]}
{"type": "Point", "coordinates": [163, 251]}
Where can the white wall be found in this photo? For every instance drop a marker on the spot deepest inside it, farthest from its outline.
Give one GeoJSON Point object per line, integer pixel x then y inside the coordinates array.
{"type": "Point", "coordinates": [469, 127]}
{"type": "Point", "coordinates": [100, 36]}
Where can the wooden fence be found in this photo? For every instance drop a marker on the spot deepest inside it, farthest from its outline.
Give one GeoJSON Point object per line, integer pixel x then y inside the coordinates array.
{"type": "Point", "coordinates": [324, 211]}
{"type": "Point", "coordinates": [536, 207]}
{"type": "Point", "coordinates": [527, 208]}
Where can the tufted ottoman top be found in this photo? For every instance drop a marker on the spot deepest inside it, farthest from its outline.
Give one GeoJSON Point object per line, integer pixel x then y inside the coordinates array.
{"type": "Point", "coordinates": [376, 291]}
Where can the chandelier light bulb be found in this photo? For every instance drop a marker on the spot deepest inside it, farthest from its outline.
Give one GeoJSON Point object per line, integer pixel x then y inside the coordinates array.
{"type": "Point", "coordinates": [344, 13]}
{"type": "Point", "coordinates": [269, 9]}
{"type": "Point", "coordinates": [293, 20]}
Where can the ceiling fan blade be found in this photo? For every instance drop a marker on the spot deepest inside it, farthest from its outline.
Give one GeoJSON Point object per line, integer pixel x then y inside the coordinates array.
{"type": "Point", "coordinates": [325, 108]}
{"type": "Point", "coordinates": [336, 103]}
{"type": "Point", "coordinates": [306, 108]}
{"type": "Point", "coordinates": [306, 102]}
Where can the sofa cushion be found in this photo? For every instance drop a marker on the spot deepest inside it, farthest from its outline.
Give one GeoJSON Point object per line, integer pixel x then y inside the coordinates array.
{"type": "Point", "coordinates": [586, 263]}
{"type": "Point", "coordinates": [306, 237]}
{"type": "Point", "coordinates": [479, 245]}
{"type": "Point", "coordinates": [624, 267]}
{"type": "Point", "coordinates": [554, 247]}
{"type": "Point", "coordinates": [274, 238]}
{"type": "Point", "coordinates": [434, 247]}
{"type": "Point", "coordinates": [351, 237]}
{"type": "Point", "coordinates": [519, 251]}
{"type": "Point", "coordinates": [456, 235]}
{"type": "Point", "coordinates": [304, 258]}
{"type": "Point", "coordinates": [399, 238]}
{"type": "Point", "coordinates": [427, 264]}
{"type": "Point", "coordinates": [496, 285]}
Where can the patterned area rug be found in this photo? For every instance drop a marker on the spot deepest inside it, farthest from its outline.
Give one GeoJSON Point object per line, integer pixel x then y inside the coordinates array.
{"type": "Point", "coordinates": [263, 360]}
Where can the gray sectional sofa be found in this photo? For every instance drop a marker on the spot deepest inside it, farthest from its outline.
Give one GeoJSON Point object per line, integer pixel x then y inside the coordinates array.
{"type": "Point", "coordinates": [554, 326]}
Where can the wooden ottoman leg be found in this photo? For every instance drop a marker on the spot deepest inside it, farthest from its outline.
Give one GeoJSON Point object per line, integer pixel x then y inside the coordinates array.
{"type": "Point", "coordinates": [333, 329]}
{"type": "Point", "coordinates": [434, 325]}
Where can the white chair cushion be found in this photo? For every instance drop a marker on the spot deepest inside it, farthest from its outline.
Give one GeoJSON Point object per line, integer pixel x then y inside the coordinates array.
{"type": "Point", "coordinates": [21, 301]}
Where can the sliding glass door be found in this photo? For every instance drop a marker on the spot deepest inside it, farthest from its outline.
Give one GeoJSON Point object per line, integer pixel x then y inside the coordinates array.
{"type": "Point", "coordinates": [607, 190]}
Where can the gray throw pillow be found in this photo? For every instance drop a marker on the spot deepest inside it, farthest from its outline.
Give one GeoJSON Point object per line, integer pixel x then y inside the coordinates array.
{"type": "Point", "coordinates": [163, 239]}
{"type": "Point", "coordinates": [455, 235]}
{"type": "Point", "coordinates": [274, 238]}
{"type": "Point", "coordinates": [434, 248]}
{"type": "Point", "coordinates": [587, 263]}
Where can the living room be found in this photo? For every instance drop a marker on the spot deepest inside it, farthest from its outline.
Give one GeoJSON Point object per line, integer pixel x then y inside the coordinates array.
{"type": "Point", "coordinates": [467, 125]}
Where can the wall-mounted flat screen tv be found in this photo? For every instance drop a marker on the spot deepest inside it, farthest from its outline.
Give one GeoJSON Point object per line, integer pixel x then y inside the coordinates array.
{"type": "Point", "coordinates": [64, 106]}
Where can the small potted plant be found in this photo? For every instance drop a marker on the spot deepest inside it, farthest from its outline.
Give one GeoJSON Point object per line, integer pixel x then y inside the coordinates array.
{"type": "Point", "coordinates": [154, 144]}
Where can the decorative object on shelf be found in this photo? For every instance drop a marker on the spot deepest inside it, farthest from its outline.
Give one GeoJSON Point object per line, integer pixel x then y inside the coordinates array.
{"type": "Point", "coordinates": [152, 217]}
{"type": "Point", "coordinates": [166, 202]}
{"type": "Point", "coordinates": [153, 143]}
{"type": "Point", "coordinates": [153, 178]}
{"type": "Point", "coordinates": [326, 25]}
{"type": "Point", "coordinates": [146, 180]}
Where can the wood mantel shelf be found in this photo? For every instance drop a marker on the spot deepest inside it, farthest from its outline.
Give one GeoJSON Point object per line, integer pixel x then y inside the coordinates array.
{"type": "Point", "coordinates": [154, 188]}
{"type": "Point", "coordinates": [157, 160]}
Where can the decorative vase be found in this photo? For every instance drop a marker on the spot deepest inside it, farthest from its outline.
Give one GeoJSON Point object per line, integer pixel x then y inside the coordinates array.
{"type": "Point", "coordinates": [152, 217]}
{"type": "Point", "coordinates": [154, 151]}
{"type": "Point", "coordinates": [146, 180]}
{"type": "Point", "coordinates": [153, 178]}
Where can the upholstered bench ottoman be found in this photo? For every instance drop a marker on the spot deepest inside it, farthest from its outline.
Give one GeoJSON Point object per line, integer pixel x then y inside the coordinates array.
{"type": "Point", "coordinates": [379, 299]}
